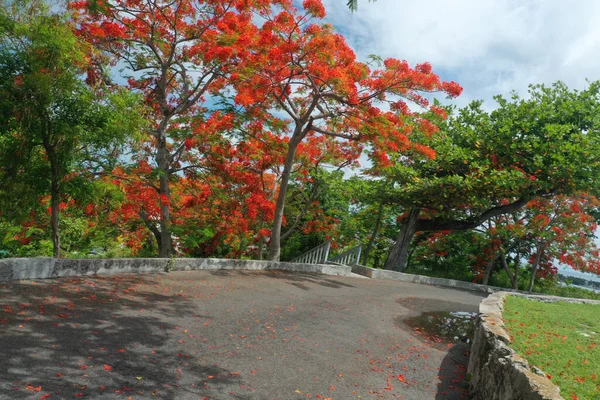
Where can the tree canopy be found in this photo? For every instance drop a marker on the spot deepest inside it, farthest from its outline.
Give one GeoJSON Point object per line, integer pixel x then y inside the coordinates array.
{"type": "Point", "coordinates": [492, 163]}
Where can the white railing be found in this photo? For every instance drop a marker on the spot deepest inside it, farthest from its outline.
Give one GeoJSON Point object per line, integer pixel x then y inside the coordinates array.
{"type": "Point", "coordinates": [349, 257]}
{"type": "Point", "coordinates": [318, 255]}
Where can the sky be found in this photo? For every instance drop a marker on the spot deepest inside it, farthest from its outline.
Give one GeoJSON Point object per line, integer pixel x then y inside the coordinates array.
{"type": "Point", "coordinates": [488, 46]}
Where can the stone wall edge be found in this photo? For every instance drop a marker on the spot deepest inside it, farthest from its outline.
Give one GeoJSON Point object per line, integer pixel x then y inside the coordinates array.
{"type": "Point", "coordinates": [497, 372]}
{"type": "Point", "coordinates": [14, 269]}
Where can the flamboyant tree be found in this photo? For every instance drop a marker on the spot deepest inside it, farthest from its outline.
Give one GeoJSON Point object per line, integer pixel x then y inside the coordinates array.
{"type": "Point", "coordinates": [489, 164]}
{"type": "Point", "coordinates": [559, 229]}
{"type": "Point", "coordinates": [544, 234]}
{"type": "Point", "coordinates": [225, 208]}
{"type": "Point", "coordinates": [300, 67]}
{"type": "Point", "coordinates": [54, 125]}
{"type": "Point", "coordinates": [241, 176]}
{"type": "Point", "coordinates": [178, 54]}
{"type": "Point", "coordinates": [220, 202]}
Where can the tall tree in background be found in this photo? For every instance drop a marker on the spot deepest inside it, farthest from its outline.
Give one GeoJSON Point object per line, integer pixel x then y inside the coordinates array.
{"type": "Point", "coordinates": [525, 245]}
{"type": "Point", "coordinates": [52, 122]}
{"type": "Point", "coordinates": [557, 229]}
{"type": "Point", "coordinates": [303, 69]}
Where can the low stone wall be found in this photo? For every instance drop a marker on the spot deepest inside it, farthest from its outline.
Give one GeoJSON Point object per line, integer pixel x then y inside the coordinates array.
{"type": "Point", "coordinates": [426, 280]}
{"type": "Point", "coordinates": [41, 268]}
{"type": "Point", "coordinates": [495, 370]}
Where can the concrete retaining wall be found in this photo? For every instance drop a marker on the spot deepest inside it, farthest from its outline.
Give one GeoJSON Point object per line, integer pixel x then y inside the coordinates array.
{"type": "Point", "coordinates": [496, 371]}
{"type": "Point", "coordinates": [41, 268]}
{"type": "Point", "coordinates": [426, 280]}
{"type": "Point", "coordinates": [429, 280]}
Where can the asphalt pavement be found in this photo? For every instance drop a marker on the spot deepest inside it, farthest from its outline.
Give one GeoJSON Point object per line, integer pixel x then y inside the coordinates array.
{"type": "Point", "coordinates": [228, 335]}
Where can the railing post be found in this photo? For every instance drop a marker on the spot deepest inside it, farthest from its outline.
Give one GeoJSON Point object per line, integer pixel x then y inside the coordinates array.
{"type": "Point", "coordinates": [327, 247]}
{"type": "Point", "coordinates": [357, 258]}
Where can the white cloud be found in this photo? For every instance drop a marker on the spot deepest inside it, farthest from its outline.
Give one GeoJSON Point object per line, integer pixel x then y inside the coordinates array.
{"type": "Point", "coordinates": [488, 46]}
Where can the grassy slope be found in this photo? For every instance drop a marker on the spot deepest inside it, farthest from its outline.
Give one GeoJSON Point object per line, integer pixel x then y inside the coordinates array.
{"type": "Point", "coordinates": [553, 338]}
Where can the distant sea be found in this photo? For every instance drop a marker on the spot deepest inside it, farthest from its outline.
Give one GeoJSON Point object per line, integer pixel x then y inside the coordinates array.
{"type": "Point", "coordinates": [577, 274]}
{"type": "Point", "coordinates": [581, 287]}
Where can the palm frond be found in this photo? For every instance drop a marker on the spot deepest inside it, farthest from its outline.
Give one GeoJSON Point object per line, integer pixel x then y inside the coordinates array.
{"type": "Point", "coordinates": [353, 4]}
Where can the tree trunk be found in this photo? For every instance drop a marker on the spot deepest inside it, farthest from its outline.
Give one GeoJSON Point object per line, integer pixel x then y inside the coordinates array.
{"type": "Point", "coordinates": [55, 216]}
{"type": "Point", "coordinates": [261, 245]}
{"type": "Point", "coordinates": [165, 243]}
{"type": "Point", "coordinates": [488, 269]}
{"type": "Point", "coordinates": [374, 235]}
{"type": "Point", "coordinates": [516, 273]}
{"type": "Point", "coordinates": [152, 227]}
{"type": "Point", "coordinates": [275, 242]}
{"type": "Point", "coordinates": [511, 276]}
{"type": "Point", "coordinates": [54, 196]}
{"type": "Point", "coordinates": [534, 268]}
{"type": "Point", "coordinates": [261, 241]}
{"type": "Point", "coordinates": [242, 247]}
{"type": "Point", "coordinates": [409, 258]}
{"type": "Point", "coordinates": [396, 261]}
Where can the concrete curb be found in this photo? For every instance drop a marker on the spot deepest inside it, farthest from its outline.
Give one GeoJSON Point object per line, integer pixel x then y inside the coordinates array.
{"type": "Point", "coordinates": [12, 269]}
{"type": "Point", "coordinates": [496, 371]}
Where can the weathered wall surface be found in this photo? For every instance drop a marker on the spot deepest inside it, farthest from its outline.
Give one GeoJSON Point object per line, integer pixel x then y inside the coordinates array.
{"type": "Point", "coordinates": [496, 372]}
{"type": "Point", "coordinates": [42, 268]}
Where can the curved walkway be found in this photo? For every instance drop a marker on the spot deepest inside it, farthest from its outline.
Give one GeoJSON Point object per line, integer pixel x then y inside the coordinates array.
{"type": "Point", "coordinates": [227, 335]}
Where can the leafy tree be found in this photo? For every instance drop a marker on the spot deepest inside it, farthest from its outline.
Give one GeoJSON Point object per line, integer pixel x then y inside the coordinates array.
{"type": "Point", "coordinates": [365, 219]}
{"type": "Point", "coordinates": [320, 210]}
{"type": "Point", "coordinates": [491, 164]}
{"type": "Point", "coordinates": [54, 123]}
{"type": "Point", "coordinates": [446, 254]}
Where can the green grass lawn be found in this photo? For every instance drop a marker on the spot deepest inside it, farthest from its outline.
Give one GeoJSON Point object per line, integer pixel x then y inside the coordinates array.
{"type": "Point", "coordinates": [561, 339]}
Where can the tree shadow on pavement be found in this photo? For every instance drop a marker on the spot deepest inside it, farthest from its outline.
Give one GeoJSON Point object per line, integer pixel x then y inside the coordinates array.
{"type": "Point", "coordinates": [452, 373]}
{"type": "Point", "coordinates": [101, 337]}
{"type": "Point", "coordinates": [298, 279]}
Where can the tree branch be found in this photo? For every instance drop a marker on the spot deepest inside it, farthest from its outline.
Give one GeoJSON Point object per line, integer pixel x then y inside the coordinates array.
{"type": "Point", "coordinates": [424, 225]}
{"type": "Point", "coordinates": [331, 133]}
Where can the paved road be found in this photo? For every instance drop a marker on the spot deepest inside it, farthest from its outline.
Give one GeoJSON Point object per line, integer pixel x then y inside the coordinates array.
{"type": "Point", "coordinates": [226, 335]}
